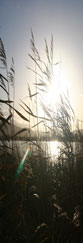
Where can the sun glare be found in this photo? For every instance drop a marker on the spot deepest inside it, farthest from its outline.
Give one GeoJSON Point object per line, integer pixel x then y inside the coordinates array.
{"type": "Point", "coordinates": [53, 93]}
{"type": "Point", "coordinates": [57, 87]}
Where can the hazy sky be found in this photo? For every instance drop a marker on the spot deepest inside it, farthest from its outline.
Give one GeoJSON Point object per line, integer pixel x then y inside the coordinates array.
{"type": "Point", "coordinates": [64, 19]}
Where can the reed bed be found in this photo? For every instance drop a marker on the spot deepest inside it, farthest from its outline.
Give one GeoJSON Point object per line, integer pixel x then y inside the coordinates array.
{"type": "Point", "coordinates": [40, 201]}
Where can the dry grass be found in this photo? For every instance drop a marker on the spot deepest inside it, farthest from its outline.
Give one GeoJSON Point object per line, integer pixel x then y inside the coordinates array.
{"type": "Point", "coordinates": [35, 205]}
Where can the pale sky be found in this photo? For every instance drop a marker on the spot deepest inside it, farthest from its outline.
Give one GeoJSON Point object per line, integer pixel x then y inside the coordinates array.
{"type": "Point", "coordinates": [62, 18]}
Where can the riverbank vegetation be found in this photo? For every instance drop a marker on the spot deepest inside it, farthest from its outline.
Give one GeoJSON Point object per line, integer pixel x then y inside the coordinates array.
{"type": "Point", "coordinates": [40, 200]}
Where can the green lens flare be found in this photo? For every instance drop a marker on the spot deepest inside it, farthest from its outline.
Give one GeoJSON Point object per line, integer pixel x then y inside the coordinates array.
{"type": "Point", "coordinates": [20, 167]}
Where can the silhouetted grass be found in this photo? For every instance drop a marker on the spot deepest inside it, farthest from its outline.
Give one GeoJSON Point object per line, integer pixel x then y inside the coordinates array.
{"type": "Point", "coordinates": [43, 203]}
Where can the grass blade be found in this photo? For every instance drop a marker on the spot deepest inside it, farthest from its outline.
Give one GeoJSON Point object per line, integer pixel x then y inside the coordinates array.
{"type": "Point", "coordinates": [21, 131]}
{"type": "Point", "coordinates": [6, 101]}
{"type": "Point", "coordinates": [37, 124]}
{"type": "Point", "coordinates": [4, 89]}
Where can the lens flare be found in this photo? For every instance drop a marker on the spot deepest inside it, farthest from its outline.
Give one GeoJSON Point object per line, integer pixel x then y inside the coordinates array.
{"type": "Point", "coordinates": [20, 167]}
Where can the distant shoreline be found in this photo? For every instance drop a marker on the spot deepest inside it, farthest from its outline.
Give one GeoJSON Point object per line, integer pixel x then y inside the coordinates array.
{"type": "Point", "coordinates": [41, 138]}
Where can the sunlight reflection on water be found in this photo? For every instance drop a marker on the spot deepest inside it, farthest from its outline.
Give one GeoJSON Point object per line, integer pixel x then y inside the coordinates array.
{"type": "Point", "coordinates": [54, 149]}
{"type": "Point", "coordinates": [51, 148]}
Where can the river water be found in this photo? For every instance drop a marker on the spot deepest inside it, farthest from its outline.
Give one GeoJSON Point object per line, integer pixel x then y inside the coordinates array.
{"type": "Point", "coordinates": [49, 148]}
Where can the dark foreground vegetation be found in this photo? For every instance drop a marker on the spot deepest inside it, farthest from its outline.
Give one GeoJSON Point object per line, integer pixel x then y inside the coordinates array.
{"type": "Point", "coordinates": [44, 203]}
{"type": "Point", "coordinates": [41, 202]}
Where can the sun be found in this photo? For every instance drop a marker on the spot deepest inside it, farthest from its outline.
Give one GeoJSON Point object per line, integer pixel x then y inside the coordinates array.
{"type": "Point", "coordinates": [56, 88]}
{"type": "Point", "coordinates": [53, 93]}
